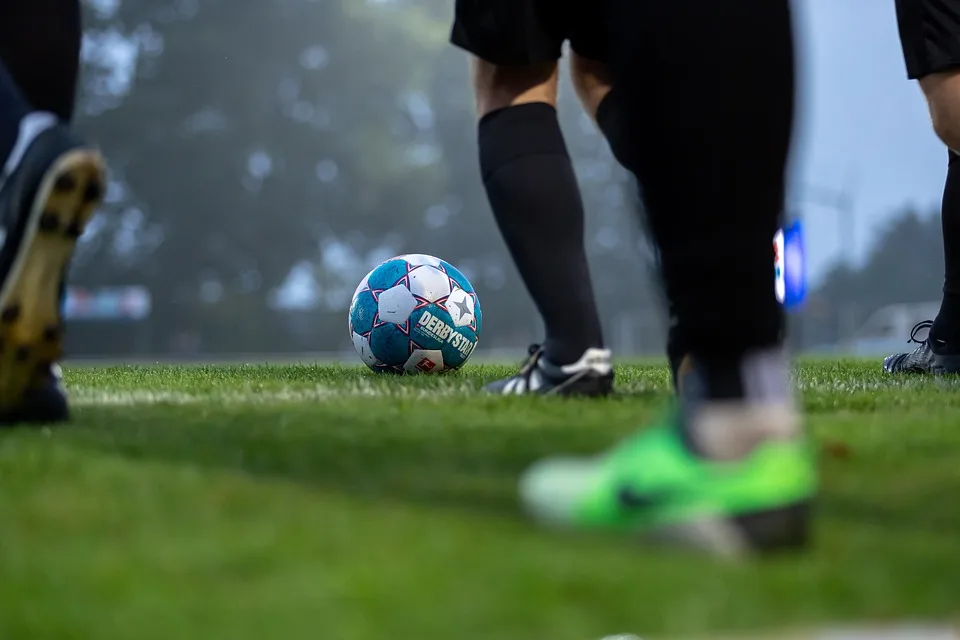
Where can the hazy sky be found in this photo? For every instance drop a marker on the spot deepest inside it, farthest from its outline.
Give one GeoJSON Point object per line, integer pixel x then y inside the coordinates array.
{"type": "Point", "coordinates": [862, 126]}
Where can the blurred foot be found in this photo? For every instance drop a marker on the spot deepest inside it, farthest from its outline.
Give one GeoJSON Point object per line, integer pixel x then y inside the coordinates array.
{"type": "Point", "coordinates": [653, 485]}
{"type": "Point", "coordinates": [43, 404]}
{"type": "Point", "coordinates": [53, 185]}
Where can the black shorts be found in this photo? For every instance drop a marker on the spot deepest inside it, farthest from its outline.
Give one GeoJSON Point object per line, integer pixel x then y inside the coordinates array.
{"type": "Point", "coordinates": [930, 35]}
{"type": "Point", "coordinates": [519, 32]}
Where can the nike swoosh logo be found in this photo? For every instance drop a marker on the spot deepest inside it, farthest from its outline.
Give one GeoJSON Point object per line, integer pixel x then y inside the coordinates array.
{"type": "Point", "coordinates": [635, 500]}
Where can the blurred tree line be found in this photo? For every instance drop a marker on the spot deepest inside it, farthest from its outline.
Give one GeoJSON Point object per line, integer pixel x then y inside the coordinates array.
{"type": "Point", "coordinates": [266, 155]}
{"type": "Point", "coordinates": [904, 265]}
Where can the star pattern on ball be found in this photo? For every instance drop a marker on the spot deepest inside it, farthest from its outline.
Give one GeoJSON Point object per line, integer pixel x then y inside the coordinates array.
{"type": "Point", "coordinates": [414, 347]}
{"type": "Point", "coordinates": [377, 322]}
{"type": "Point", "coordinates": [423, 303]}
{"type": "Point", "coordinates": [463, 307]}
{"type": "Point", "coordinates": [476, 305]}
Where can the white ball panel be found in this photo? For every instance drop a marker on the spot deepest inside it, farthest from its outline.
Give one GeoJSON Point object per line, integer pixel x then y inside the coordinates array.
{"type": "Point", "coordinates": [418, 259]}
{"type": "Point", "coordinates": [362, 345]}
{"type": "Point", "coordinates": [425, 361]}
{"type": "Point", "coordinates": [396, 304]}
{"type": "Point", "coordinates": [460, 306]}
{"type": "Point", "coordinates": [429, 283]}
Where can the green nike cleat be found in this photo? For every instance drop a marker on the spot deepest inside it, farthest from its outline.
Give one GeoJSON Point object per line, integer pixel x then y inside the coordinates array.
{"type": "Point", "coordinates": [651, 484]}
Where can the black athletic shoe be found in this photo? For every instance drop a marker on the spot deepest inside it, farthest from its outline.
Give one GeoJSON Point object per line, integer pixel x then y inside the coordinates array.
{"type": "Point", "coordinates": [591, 375]}
{"type": "Point", "coordinates": [925, 358]}
{"type": "Point", "coordinates": [43, 404]}
{"type": "Point", "coordinates": [51, 190]}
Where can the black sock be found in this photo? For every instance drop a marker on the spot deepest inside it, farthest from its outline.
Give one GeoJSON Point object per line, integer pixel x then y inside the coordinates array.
{"type": "Point", "coordinates": [12, 110]}
{"type": "Point", "coordinates": [946, 327]}
{"type": "Point", "coordinates": [535, 198]}
{"type": "Point", "coordinates": [707, 89]}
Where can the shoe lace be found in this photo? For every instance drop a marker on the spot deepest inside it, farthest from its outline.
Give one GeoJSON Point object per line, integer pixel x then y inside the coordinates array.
{"type": "Point", "coordinates": [534, 353]}
{"type": "Point", "coordinates": [917, 328]}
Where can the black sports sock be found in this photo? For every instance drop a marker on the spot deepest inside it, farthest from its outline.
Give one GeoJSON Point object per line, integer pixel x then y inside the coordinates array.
{"type": "Point", "coordinates": [12, 110]}
{"type": "Point", "coordinates": [946, 327]}
{"type": "Point", "coordinates": [707, 92]}
{"type": "Point", "coordinates": [535, 198]}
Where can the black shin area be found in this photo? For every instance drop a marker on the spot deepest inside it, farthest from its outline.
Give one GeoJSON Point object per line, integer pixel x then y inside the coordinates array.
{"type": "Point", "coordinates": [947, 325]}
{"type": "Point", "coordinates": [535, 198]}
{"type": "Point", "coordinates": [706, 91]}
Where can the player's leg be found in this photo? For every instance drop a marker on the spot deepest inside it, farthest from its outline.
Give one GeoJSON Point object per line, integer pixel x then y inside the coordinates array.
{"type": "Point", "coordinates": [532, 188]}
{"type": "Point", "coordinates": [49, 187]}
{"type": "Point", "coordinates": [593, 82]}
{"type": "Point", "coordinates": [731, 470]}
{"type": "Point", "coordinates": [930, 36]}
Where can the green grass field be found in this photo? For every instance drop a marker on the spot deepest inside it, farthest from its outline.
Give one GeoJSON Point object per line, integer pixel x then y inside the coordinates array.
{"type": "Point", "coordinates": [325, 503]}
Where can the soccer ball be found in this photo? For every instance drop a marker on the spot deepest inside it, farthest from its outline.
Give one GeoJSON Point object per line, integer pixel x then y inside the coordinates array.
{"type": "Point", "coordinates": [415, 313]}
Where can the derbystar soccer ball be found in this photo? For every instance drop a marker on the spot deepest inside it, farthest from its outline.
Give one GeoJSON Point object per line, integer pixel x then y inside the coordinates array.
{"type": "Point", "coordinates": [415, 313]}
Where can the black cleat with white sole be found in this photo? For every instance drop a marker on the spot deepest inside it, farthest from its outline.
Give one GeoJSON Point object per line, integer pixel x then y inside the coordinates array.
{"type": "Point", "coordinates": [931, 357]}
{"type": "Point", "coordinates": [50, 188]}
{"type": "Point", "coordinates": [591, 376]}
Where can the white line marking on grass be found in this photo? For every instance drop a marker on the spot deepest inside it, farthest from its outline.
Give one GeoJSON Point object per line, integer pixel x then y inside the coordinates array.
{"type": "Point", "coordinates": [849, 385]}
{"type": "Point", "coordinates": [94, 396]}
{"type": "Point", "coordinates": [897, 631]}
{"type": "Point", "coordinates": [106, 397]}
